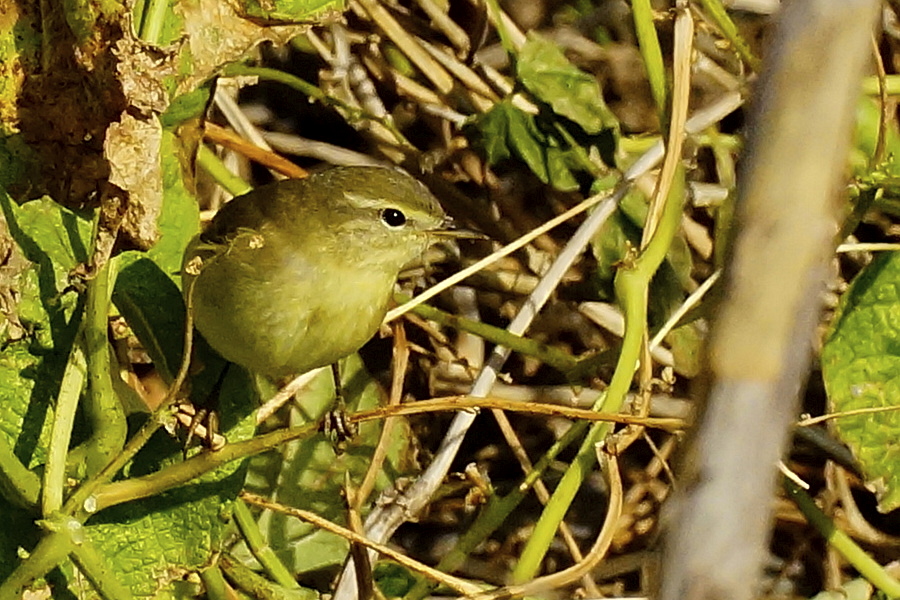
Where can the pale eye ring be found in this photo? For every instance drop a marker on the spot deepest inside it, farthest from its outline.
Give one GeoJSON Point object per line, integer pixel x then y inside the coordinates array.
{"type": "Point", "coordinates": [393, 218]}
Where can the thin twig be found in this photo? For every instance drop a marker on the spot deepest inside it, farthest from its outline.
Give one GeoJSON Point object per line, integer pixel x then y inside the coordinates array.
{"type": "Point", "coordinates": [457, 584]}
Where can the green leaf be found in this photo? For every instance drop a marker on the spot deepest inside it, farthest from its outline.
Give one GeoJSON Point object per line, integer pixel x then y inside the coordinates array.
{"type": "Point", "coordinates": [609, 247]}
{"type": "Point", "coordinates": [308, 474]}
{"type": "Point", "coordinates": [179, 220]}
{"type": "Point", "coordinates": [393, 580]}
{"type": "Point", "coordinates": [560, 164]}
{"type": "Point", "coordinates": [290, 11]}
{"type": "Point", "coordinates": [46, 242]}
{"type": "Point", "coordinates": [151, 543]}
{"type": "Point", "coordinates": [49, 242]}
{"type": "Point", "coordinates": [47, 231]}
{"type": "Point", "coordinates": [151, 303]}
{"type": "Point", "coordinates": [493, 130]}
{"type": "Point", "coordinates": [190, 105]}
{"type": "Point", "coordinates": [572, 93]}
{"type": "Point", "coordinates": [621, 231]}
{"type": "Point", "coordinates": [861, 369]}
{"type": "Point", "coordinates": [506, 131]}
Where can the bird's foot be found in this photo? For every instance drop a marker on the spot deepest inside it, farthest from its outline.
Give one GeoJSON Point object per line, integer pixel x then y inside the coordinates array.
{"type": "Point", "coordinates": [338, 428]}
{"type": "Point", "coordinates": [202, 424]}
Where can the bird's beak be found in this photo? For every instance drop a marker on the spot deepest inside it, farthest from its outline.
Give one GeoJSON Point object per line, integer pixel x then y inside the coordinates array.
{"type": "Point", "coordinates": [448, 230]}
{"type": "Point", "coordinates": [459, 234]}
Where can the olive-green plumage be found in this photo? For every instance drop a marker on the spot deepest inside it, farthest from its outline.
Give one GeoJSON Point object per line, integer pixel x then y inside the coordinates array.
{"type": "Point", "coordinates": [298, 274]}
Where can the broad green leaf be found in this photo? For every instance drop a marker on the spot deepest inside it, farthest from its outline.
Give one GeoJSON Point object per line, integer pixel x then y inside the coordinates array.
{"type": "Point", "coordinates": [527, 141]}
{"type": "Point", "coordinates": [52, 232]}
{"type": "Point", "coordinates": [148, 545]}
{"type": "Point", "coordinates": [151, 303]}
{"type": "Point", "coordinates": [308, 474]}
{"type": "Point", "coordinates": [560, 165]}
{"type": "Point", "coordinates": [493, 132]}
{"type": "Point", "coordinates": [861, 369]}
{"type": "Point", "coordinates": [545, 71]}
{"type": "Point", "coordinates": [190, 105]}
{"type": "Point", "coordinates": [609, 247]}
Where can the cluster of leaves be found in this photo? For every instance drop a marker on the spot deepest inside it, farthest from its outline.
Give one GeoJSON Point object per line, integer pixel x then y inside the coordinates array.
{"type": "Point", "coordinates": [158, 535]}
{"type": "Point", "coordinates": [572, 119]}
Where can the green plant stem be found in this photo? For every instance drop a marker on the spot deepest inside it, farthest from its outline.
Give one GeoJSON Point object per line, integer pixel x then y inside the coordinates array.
{"type": "Point", "coordinates": [61, 431]}
{"type": "Point", "coordinates": [214, 583]}
{"type": "Point", "coordinates": [102, 407]}
{"type": "Point", "coordinates": [259, 548]}
{"type": "Point", "coordinates": [103, 495]}
{"type": "Point", "coordinates": [715, 10]}
{"type": "Point", "coordinates": [209, 162]}
{"type": "Point", "coordinates": [648, 43]}
{"type": "Point", "coordinates": [89, 359]}
{"type": "Point", "coordinates": [18, 486]}
{"type": "Point", "coordinates": [549, 355]}
{"type": "Point", "coordinates": [259, 587]}
{"type": "Point", "coordinates": [50, 551]}
{"type": "Point", "coordinates": [841, 542]}
{"type": "Point", "coordinates": [632, 284]}
{"type": "Point", "coordinates": [891, 85]}
{"type": "Point", "coordinates": [506, 40]}
{"type": "Point", "coordinates": [153, 21]}
{"type": "Point", "coordinates": [111, 494]}
{"type": "Point", "coordinates": [78, 503]}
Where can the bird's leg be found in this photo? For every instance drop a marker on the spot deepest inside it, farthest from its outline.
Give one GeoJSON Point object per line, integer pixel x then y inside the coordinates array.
{"type": "Point", "coordinates": [205, 418]}
{"type": "Point", "coordinates": [335, 424]}
{"type": "Point", "coordinates": [339, 402]}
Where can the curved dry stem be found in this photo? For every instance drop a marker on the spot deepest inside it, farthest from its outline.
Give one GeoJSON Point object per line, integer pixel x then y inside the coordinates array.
{"type": "Point", "coordinates": [312, 518]}
{"type": "Point", "coordinates": [562, 578]}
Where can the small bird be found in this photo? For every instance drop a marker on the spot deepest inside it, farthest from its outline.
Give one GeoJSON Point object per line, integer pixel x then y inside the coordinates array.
{"type": "Point", "coordinates": [298, 274]}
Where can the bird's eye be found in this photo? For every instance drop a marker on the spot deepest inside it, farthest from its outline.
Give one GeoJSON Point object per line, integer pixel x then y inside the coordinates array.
{"type": "Point", "coordinates": [393, 218]}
